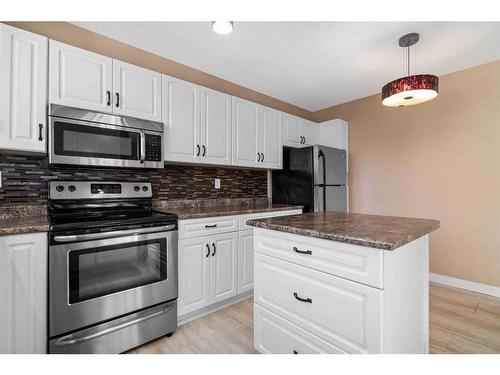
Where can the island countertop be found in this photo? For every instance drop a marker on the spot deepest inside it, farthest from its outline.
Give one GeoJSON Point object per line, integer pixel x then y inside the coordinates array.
{"type": "Point", "coordinates": [380, 232]}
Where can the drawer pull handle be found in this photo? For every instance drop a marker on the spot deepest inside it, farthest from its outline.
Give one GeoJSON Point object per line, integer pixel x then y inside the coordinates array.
{"type": "Point", "coordinates": [211, 226]}
{"type": "Point", "coordinates": [308, 252]}
{"type": "Point", "coordinates": [307, 300]}
{"type": "Point", "coordinates": [208, 250]}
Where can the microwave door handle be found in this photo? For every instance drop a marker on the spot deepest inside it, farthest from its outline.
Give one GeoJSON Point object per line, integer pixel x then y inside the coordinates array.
{"type": "Point", "coordinates": [143, 147]}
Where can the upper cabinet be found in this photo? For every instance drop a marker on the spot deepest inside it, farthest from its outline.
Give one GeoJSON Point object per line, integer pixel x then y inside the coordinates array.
{"type": "Point", "coordinates": [216, 139]}
{"type": "Point", "coordinates": [269, 133]}
{"type": "Point", "coordinates": [80, 78]}
{"type": "Point", "coordinates": [23, 89]}
{"type": "Point", "coordinates": [334, 133]}
{"type": "Point", "coordinates": [83, 79]}
{"type": "Point", "coordinates": [245, 122]}
{"type": "Point", "coordinates": [298, 132]}
{"type": "Point", "coordinates": [137, 91]}
{"type": "Point", "coordinates": [197, 123]}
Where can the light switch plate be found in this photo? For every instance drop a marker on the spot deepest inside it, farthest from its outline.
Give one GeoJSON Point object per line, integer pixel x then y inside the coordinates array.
{"type": "Point", "coordinates": [217, 183]}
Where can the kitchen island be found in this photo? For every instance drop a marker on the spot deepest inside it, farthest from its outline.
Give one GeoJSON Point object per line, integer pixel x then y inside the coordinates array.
{"type": "Point", "coordinates": [341, 283]}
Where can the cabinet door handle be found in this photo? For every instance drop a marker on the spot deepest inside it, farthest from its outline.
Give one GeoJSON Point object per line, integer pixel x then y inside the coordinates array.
{"type": "Point", "coordinates": [108, 94]}
{"type": "Point", "coordinates": [301, 140]}
{"type": "Point", "coordinates": [263, 157]}
{"type": "Point", "coordinates": [306, 300]}
{"type": "Point", "coordinates": [258, 156]}
{"type": "Point", "coordinates": [211, 226]}
{"type": "Point", "coordinates": [215, 249]}
{"type": "Point", "coordinates": [198, 150]}
{"type": "Point", "coordinates": [305, 140]}
{"type": "Point", "coordinates": [40, 132]}
{"type": "Point", "coordinates": [208, 251]}
{"type": "Point", "coordinates": [204, 151]}
{"type": "Point", "coordinates": [308, 252]}
{"type": "Point", "coordinates": [295, 352]}
{"type": "Point", "coordinates": [117, 100]}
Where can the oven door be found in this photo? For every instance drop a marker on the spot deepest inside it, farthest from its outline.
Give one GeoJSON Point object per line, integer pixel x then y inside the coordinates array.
{"type": "Point", "coordinates": [88, 143]}
{"type": "Point", "coordinates": [93, 281]}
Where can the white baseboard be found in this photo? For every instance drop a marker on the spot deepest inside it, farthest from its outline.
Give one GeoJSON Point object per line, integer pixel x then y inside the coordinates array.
{"type": "Point", "coordinates": [465, 284]}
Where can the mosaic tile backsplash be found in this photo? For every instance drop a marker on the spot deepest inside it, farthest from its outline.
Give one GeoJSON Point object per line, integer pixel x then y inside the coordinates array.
{"type": "Point", "coordinates": [24, 180]}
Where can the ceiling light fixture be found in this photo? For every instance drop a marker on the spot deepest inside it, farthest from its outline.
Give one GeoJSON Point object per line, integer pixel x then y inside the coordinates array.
{"type": "Point", "coordinates": [223, 27]}
{"type": "Point", "coordinates": [412, 89]}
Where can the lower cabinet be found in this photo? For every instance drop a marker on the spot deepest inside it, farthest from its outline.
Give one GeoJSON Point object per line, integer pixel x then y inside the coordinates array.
{"type": "Point", "coordinates": [207, 271]}
{"type": "Point", "coordinates": [23, 292]}
{"type": "Point", "coordinates": [245, 260]}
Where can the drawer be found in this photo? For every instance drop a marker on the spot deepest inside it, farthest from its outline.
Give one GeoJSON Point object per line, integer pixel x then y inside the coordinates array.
{"type": "Point", "coordinates": [260, 215]}
{"type": "Point", "coordinates": [275, 335]}
{"type": "Point", "coordinates": [358, 263]}
{"type": "Point", "coordinates": [207, 226]}
{"type": "Point", "coordinates": [344, 313]}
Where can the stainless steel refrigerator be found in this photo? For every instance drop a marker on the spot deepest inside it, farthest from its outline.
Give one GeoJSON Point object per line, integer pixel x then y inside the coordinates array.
{"type": "Point", "coordinates": [314, 176]}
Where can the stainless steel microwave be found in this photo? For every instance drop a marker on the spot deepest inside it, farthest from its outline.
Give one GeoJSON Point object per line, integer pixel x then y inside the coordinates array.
{"type": "Point", "coordinates": [83, 137]}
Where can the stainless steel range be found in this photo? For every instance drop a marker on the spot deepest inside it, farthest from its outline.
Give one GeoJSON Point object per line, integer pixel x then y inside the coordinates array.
{"type": "Point", "coordinates": [112, 267]}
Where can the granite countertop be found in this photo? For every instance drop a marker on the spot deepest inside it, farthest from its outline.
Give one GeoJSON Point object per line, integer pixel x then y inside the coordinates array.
{"type": "Point", "coordinates": [20, 225]}
{"type": "Point", "coordinates": [185, 213]}
{"type": "Point", "coordinates": [380, 232]}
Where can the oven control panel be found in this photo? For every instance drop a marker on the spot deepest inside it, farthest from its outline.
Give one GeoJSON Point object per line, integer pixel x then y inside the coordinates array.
{"type": "Point", "coordinates": [98, 190]}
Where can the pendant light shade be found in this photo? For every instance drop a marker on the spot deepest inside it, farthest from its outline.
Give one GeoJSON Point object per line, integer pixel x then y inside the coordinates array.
{"type": "Point", "coordinates": [412, 89]}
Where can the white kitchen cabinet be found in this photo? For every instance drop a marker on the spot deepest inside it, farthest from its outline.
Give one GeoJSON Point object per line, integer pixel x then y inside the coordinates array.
{"type": "Point", "coordinates": [269, 138]}
{"type": "Point", "coordinates": [298, 132]}
{"type": "Point", "coordinates": [223, 266]}
{"type": "Point", "coordinates": [181, 115]}
{"type": "Point", "coordinates": [310, 133]}
{"type": "Point", "coordinates": [80, 78]}
{"type": "Point", "coordinates": [23, 292]}
{"type": "Point", "coordinates": [215, 127]}
{"type": "Point", "coordinates": [23, 90]}
{"type": "Point", "coordinates": [207, 271]}
{"type": "Point", "coordinates": [334, 133]}
{"type": "Point", "coordinates": [194, 274]}
{"type": "Point", "coordinates": [245, 260]}
{"type": "Point", "coordinates": [137, 91]}
{"type": "Point", "coordinates": [245, 119]}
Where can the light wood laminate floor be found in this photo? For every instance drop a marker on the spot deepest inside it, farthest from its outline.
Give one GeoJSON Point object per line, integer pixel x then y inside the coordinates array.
{"type": "Point", "coordinates": [460, 322]}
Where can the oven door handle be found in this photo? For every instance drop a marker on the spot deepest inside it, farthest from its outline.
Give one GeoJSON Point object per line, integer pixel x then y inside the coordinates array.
{"type": "Point", "coordinates": [118, 233]}
{"type": "Point", "coordinates": [73, 341]}
{"type": "Point", "coordinates": [143, 147]}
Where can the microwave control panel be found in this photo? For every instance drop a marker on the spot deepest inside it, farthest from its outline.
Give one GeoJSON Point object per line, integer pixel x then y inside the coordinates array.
{"type": "Point", "coordinates": [153, 147]}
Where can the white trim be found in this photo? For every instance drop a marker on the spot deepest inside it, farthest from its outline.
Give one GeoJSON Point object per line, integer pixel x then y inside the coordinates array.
{"type": "Point", "coordinates": [465, 284]}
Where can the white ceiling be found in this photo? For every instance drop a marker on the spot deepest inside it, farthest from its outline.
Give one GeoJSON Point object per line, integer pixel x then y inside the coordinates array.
{"type": "Point", "coordinates": [312, 64]}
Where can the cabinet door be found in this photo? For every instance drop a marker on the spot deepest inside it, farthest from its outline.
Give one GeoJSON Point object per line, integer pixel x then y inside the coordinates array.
{"type": "Point", "coordinates": [194, 274]}
{"type": "Point", "coordinates": [23, 292]}
{"type": "Point", "coordinates": [215, 127]}
{"type": "Point", "coordinates": [272, 147]}
{"type": "Point", "coordinates": [137, 91]}
{"type": "Point", "coordinates": [245, 118]}
{"type": "Point", "coordinates": [292, 130]}
{"type": "Point", "coordinates": [310, 133]}
{"type": "Point", "coordinates": [181, 115]}
{"type": "Point", "coordinates": [23, 90]}
{"type": "Point", "coordinates": [80, 78]}
{"type": "Point", "coordinates": [223, 266]}
{"type": "Point", "coordinates": [245, 260]}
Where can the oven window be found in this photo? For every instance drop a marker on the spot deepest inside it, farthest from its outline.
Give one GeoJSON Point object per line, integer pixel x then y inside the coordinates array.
{"type": "Point", "coordinates": [95, 142]}
{"type": "Point", "coordinates": [104, 270]}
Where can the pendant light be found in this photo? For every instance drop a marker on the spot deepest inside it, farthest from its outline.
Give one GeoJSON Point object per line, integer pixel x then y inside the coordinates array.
{"type": "Point", "coordinates": [412, 89]}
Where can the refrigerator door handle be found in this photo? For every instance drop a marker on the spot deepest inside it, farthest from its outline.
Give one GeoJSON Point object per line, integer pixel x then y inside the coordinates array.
{"type": "Point", "coordinates": [321, 155]}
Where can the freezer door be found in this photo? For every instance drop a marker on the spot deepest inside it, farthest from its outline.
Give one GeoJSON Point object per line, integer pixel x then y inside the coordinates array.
{"type": "Point", "coordinates": [336, 198]}
{"type": "Point", "coordinates": [336, 166]}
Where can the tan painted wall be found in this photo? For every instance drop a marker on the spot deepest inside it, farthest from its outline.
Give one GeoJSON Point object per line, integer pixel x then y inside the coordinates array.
{"type": "Point", "coordinates": [438, 160]}
{"type": "Point", "coordinates": [79, 37]}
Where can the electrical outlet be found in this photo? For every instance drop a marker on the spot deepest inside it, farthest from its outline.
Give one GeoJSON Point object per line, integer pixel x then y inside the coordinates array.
{"type": "Point", "coordinates": [217, 183]}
